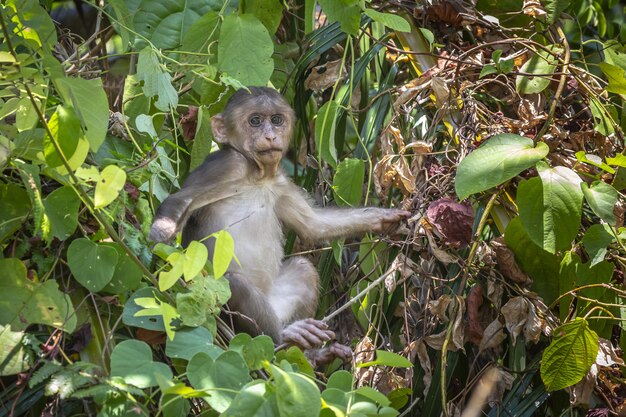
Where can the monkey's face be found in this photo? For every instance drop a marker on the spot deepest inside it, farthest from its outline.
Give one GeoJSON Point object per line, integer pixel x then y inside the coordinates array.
{"type": "Point", "coordinates": [259, 127]}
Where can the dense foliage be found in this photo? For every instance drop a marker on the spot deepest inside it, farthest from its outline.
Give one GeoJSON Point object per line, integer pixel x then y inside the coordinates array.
{"type": "Point", "coordinates": [499, 125]}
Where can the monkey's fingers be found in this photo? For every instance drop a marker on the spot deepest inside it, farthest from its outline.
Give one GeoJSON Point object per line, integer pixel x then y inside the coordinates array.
{"type": "Point", "coordinates": [341, 351]}
{"type": "Point", "coordinates": [307, 333]}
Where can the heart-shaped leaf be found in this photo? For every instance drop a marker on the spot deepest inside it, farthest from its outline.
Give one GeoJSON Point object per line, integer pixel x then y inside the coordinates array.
{"type": "Point", "coordinates": [501, 158]}
{"type": "Point", "coordinates": [255, 351]}
{"type": "Point", "coordinates": [596, 240]}
{"type": "Point", "coordinates": [602, 198]}
{"type": "Point", "coordinates": [24, 302]}
{"type": "Point", "coordinates": [569, 356]}
{"type": "Point", "coordinates": [245, 49]}
{"type": "Point", "coordinates": [189, 341]}
{"type": "Point", "coordinates": [132, 360]}
{"type": "Point", "coordinates": [224, 376]}
{"type": "Point", "coordinates": [91, 264]}
{"type": "Point", "coordinates": [112, 180]}
{"type": "Point", "coordinates": [550, 207]}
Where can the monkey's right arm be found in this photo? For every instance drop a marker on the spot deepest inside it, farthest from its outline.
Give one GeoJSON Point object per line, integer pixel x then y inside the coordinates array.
{"type": "Point", "coordinates": [216, 179]}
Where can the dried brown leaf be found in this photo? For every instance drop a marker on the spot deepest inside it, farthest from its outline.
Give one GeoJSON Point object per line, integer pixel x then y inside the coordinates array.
{"type": "Point", "coordinates": [325, 76]}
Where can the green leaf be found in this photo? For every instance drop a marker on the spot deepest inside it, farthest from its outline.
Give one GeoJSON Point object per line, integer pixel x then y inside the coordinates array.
{"type": "Point", "coordinates": [487, 70]}
{"type": "Point", "coordinates": [569, 356]}
{"type": "Point", "coordinates": [153, 306]}
{"type": "Point", "coordinates": [66, 131]}
{"type": "Point", "coordinates": [596, 240]}
{"type": "Point", "coordinates": [24, 302]}
{"type": "Point", "coordinates": [25, 115]}
{"type": "Point", "coordinates": [131, 308]}
{"type": "Point", "coordinates": [14, 209]}
{"type": "Point", "coordinates": [341, 380]}
{"type": "Point", "coordinates": [550, 207]}
{"type": "Point", "coordinates": [542, 65]}
{"type": "Point", "coordinates": [14, 355]}
{"type": "Point", "coordinates": [269, 12]}
{"type": "Point", "coordinates": [90, 103]}
{"type": "Point", "coordinates": [386, 358]}
{"type": "Point", "coordinates": [543, 267]}
{"type": "Point", "coordinates": [127, 274]}
{"type": "Point", "coordinates": [348, 182]}
{"type": "Point", "coordinates": [594, 160]}
{"type": "Point", "coordinates": [603, 116]}
{"type": "Point", "coordinates": [346, 12]}
{"type": "Point", "coordinates": [111, 182]}
{"type": "Point", "coordinates": [255, 351]}
{"type": "Point", "coordinates": [325, 125]}
{"type": "Point", "coordinates": [245, 49]}
{"type": "Point", "coordinates": [196, 255]}
{"type": "Point", "coordinates": [189, 341]}
{"type": "Point", "coordinates": [501, 158]}
{"type": "Point", "coordinates": [392, 21]}
{"type": "Point", "coordinates": [203, 140]}
{"type": "Point", "coordinates": [91, 264]}
{"type": "Point", "coordinates": [62, 211]}
{"type": "Point", "coordinates": [554, 8]}
{"type": "Point", "coordinates": [201, 35]}
{"type": "Point", "coordinates": [617, 80]}
{"type": "Point", "coordinates": [34, 22]}
{"type": "Point", "coordinates": [205, 297]}
{"type": "Point", "coordinates": [166, 23]}
{"type": "Point", "coordinates": [295, 356]}
{"type": "Point", "coordinates": [223, 253]}
{"type": "Point", "coordinates": [132, 360]}
{"type": "Point", "coordinates": [373, 395]}
{"type": "Point", "coordinates": [602, 198]}
{"type": "Point", "coordinates": [223, 377]}
{"type": "Point", "coordinates": [296, 395]}
{"type": "Point", "coordinates": [156, 80]}
{"type": "Point", "coordinates": [619, 160]}
{"type": "Point", "coordinates": [252, 401]}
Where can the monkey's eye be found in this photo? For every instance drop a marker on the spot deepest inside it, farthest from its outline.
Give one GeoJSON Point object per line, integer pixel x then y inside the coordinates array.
{"type": "Point", "coordinates": [255, 121]}
{"type": "Point", "coordinates": [277, 120]}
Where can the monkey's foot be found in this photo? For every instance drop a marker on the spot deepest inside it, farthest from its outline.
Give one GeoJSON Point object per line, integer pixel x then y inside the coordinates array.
{"type": "Point", "coordinates": [162, 230]}
{"type": "Point", "coordinates": [326, 355]}
{"type": "Point", "coordinates": [307, 333]}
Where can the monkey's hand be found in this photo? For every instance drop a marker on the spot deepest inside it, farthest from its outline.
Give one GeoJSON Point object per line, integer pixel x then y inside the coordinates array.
{"type": "Point", "coordinates": [163, 229]}
{"type": "Point", "coordinates": [388, 219]}
{"type": "Point", "coordinates": [307, 333]}
{"type": "Point", "coordinates": [328, 354]}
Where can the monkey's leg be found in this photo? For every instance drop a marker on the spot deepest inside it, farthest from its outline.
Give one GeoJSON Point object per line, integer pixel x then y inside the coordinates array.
{"type": "Point", "coordinates": [256, 315]}
{"type": "Point", "coordinates": [294, 299]}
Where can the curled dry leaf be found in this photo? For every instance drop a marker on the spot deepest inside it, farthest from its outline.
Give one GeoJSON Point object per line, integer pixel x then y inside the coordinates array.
{"type": "Point", "coordinates": [410, 90]}
{"type": "Point", "coordinates": [520, 315]}
{"type": "Point", "coordinates": [452, 220]}
{"type": "Point", "coordinates": [189, 122]}
{"type": "Point", "coordinates": [495, 290]}
{"type": "Point", "coordinates": [580, 394]}
{"type": "Point", "coordinates": [436, 341]}
{"type": "Point", "coordinates": [473, 302]}
{"type": "Point", "coordinates": [383, 378]}
{"type": "Point", "coordinates": [533, 8]}
{"type": "Point", "coordinates": [441, 91]}
{"type": "Point", "coordinates": [117, 125]}
{"type": "Point", "coordinates": [504, 383]}
{"type": "Point", "coordinates": [325, 75]}
{"type": "Point", "coordinates": [393, 169]}
{"type": "Point", "coordinates": [441, 255]}
{"type": "Point", "coordinates": [493, 336]}
{"type": "Point", "coordinates": [507, 264]}
{"type": "Point", "coordinates": [439, 308]}
{"type": "Point", "coordinates": [405, 266]}
{"type": "Point", "coordinates": [529, 113]}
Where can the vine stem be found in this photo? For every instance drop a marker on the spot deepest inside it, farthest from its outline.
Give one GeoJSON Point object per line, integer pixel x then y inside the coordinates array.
{"type": "Point", "coordinates": [455, 308]}
{"type": "Point", "coordinates": [560, 87]}
{"type": "Point", "coordinates": [74, 183]}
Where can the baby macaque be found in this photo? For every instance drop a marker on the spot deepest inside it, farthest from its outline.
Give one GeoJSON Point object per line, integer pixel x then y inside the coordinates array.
{"type": "Point", "coordinates": [243, 190]}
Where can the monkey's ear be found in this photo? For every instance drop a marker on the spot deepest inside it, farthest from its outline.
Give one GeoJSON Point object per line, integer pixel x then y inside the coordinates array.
{"type": "Point", "coordinates": [218, 128]}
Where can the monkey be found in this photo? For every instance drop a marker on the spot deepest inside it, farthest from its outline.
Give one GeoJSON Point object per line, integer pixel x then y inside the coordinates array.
{"type": "Point", "coordinates": [242, 189]}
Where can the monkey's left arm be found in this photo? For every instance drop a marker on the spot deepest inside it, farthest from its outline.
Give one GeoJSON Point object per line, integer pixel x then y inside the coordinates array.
{"type": "Point", "coordinates": [312, 223]}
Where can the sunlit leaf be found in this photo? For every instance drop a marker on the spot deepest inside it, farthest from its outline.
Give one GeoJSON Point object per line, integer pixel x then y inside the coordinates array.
{"type": "Point", "coordinates": [24, 302]}
{"type": "Point", "coordinates": [386, 358]}
{"type": "Point", "coordinates": [392, 21]}
{"type": "Point", "coordinates": [541, 65]}
{"type": "Point", "coordinates": [245, 50]}
{"type": "Point", "coordinates": [602, 198]}
{"type": "Point", "coordinates": [108, 187]}
{"type": "Point", "coordinates": [501, 158]}
{"type": "Point", "coordinates": [223, 252]}
{"type": "Point", "coordinates": [569, 356]}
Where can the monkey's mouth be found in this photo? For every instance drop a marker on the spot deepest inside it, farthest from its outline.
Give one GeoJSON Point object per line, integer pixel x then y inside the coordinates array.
{"type": "Point", "coordinates": [270, 151]}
